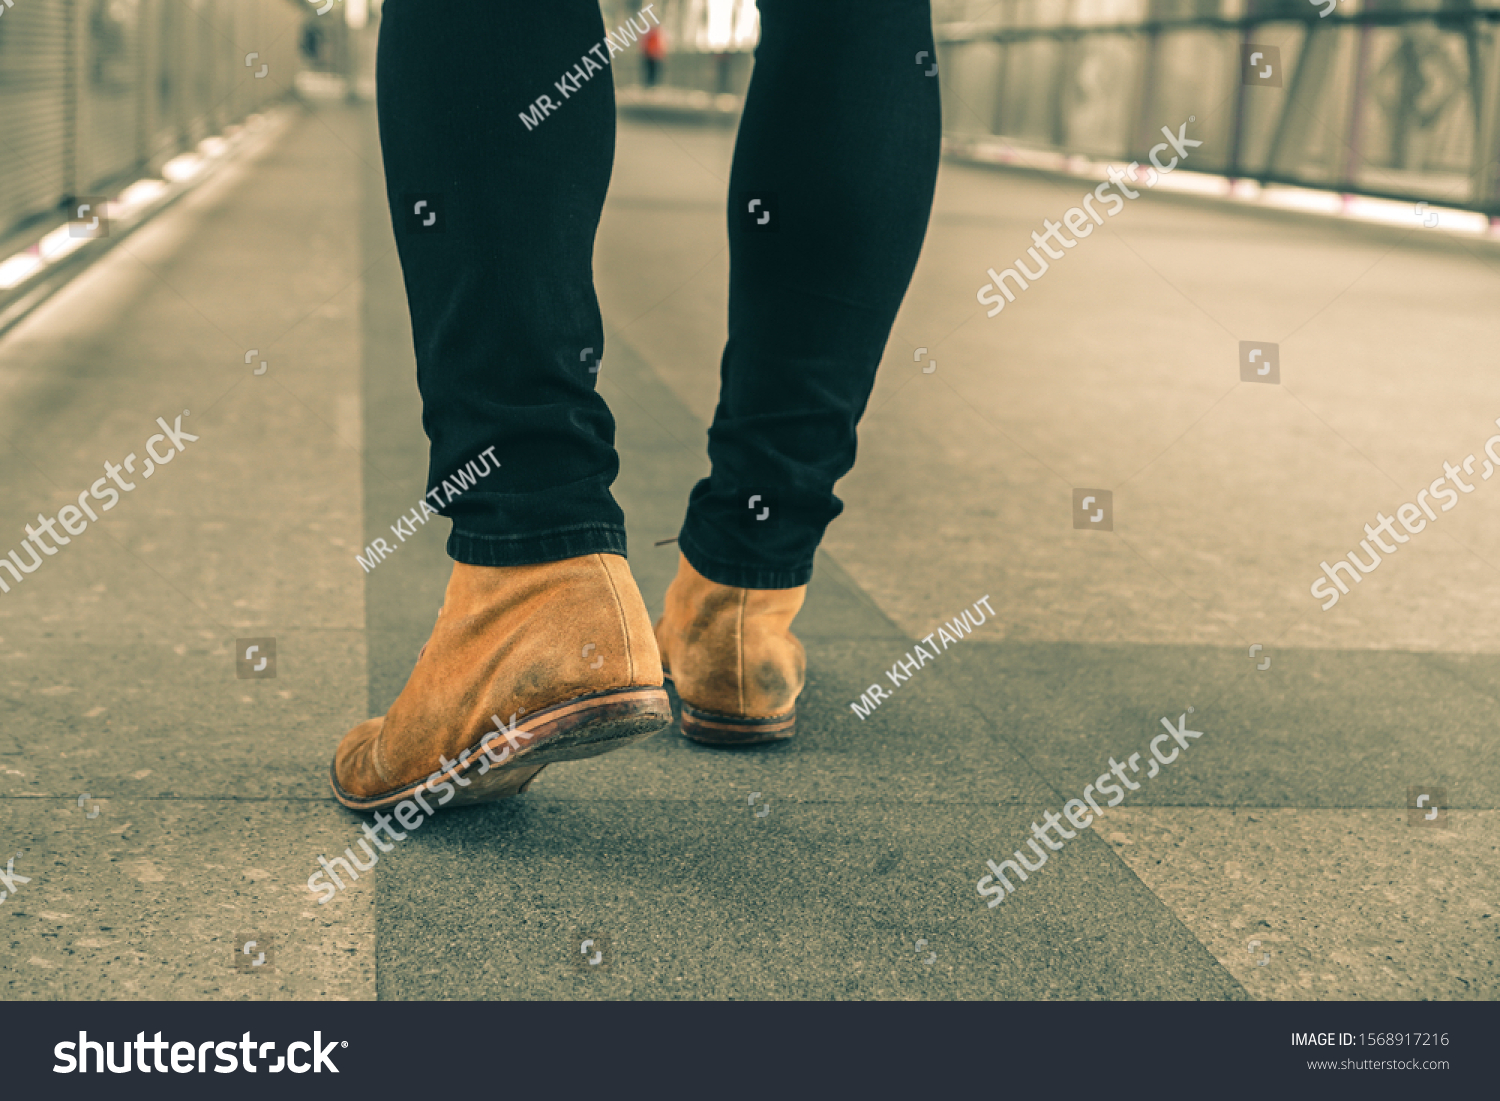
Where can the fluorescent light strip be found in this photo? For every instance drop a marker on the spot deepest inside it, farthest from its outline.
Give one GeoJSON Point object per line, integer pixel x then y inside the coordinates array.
{"type": "Point", "coordinates": [59, 243]}
{"type": "Point", "coordinates": [1309, 200]}
{"type": "Point", "coordinates": [139, 194]}
{"type": "Point", "coordinates": [182, 167]}
{"type": "Point", "coordinates": [18, 268]}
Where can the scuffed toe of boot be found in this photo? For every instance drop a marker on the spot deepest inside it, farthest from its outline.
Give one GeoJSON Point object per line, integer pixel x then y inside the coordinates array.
{"type": "Point", "coordinates": [353, 763]}
{"type": "Point", "coordinates": [732, 657]}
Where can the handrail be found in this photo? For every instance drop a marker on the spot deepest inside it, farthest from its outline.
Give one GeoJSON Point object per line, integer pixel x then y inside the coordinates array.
{"type": "Point", "coordinates": [1394, 104]}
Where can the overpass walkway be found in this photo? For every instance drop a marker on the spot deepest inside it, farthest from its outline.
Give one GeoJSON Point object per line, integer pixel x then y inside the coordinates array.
{"type": "Point", "coordinates": [1274, 858]}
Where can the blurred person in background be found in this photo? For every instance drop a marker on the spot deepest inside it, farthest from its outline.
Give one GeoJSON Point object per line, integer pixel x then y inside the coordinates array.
{"type": "Point", "coordinates": [312, 44]}
{"type": "Point", "coordinates": [543, 650]}
{"type": "Point", "coordinates": [654, 51]}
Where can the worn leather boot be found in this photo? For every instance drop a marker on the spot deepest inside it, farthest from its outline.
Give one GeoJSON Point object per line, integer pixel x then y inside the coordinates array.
{"type": "Point", "coordinates": [732, 656]}
{"type": "Point", "coordinates": [526, 666]}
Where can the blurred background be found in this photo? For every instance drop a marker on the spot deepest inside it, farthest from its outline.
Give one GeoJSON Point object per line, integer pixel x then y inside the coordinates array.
{"type": "Point", "coordinates": [1384, 97]}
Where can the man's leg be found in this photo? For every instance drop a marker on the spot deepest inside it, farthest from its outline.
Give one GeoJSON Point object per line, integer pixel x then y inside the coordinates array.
{"type": "Point", "coordinates": [841, 131]}
{"type": "Point", "coordinates": [839, 144]}
{"type": "Point", "coordinates": [543, 638]}
{"type": "Point", "coordinates": [503, 313]}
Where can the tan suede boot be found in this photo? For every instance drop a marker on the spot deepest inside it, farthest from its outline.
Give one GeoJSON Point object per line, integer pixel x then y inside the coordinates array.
{"type": "Point", "coordinates": [526, 666]}
{"type": "Point", "coordinates": [732, 656]}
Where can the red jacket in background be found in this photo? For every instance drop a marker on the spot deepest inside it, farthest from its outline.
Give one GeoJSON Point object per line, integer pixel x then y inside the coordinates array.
{"type": "Point", "coordinates": [655, 44]}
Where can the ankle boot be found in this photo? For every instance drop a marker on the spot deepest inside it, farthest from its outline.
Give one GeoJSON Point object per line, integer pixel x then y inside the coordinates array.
{"type": "Point", "coordinates": [732, 657]}
{"type": "Point", "coordinates": [526, 666]}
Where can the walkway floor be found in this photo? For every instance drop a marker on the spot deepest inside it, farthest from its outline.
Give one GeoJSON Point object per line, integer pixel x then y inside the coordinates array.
{"type": "Point", "coordinates": [1274, 859]}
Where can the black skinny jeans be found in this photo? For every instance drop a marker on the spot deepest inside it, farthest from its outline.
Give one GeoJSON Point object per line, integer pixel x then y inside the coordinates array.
{"type": "Point", "coordinates": [839, 139]}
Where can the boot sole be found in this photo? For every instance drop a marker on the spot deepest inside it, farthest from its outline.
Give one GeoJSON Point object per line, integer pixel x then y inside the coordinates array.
{"type": "Point", "coordinates": [714, 728]}
{"type": "Point", "coordinates": [711, 728]}
{"type": "Point", "coordinates": [570, 731]}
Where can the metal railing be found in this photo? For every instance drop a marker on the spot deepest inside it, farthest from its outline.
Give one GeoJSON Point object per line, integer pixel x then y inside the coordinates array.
{"type": "Point", "coordinates": [92, 91]}
{"type": "Point", "coordinates": [1402, 104]}
{"type": "Point", "coordinates": [1392, 98]}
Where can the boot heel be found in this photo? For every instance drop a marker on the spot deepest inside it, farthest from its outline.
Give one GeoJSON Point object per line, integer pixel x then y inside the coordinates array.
{"type": "Point", "coordinates": [711, 728]}
{"type": "Point", "coordinates": [593, 724]}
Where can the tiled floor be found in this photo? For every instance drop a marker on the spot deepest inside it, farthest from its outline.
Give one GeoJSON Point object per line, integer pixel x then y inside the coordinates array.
{"type": "Point", "coordinates": [1284, 824]}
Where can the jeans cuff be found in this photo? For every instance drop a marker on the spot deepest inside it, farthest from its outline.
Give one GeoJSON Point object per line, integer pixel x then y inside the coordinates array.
{"type": "Point", "coordinates": [475, 549]}
{"type": "Point", "coordinates": [742, 577]}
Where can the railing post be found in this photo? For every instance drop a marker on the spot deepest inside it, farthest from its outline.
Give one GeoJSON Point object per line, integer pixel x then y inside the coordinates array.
{"type": "Point", "coordinates": [1487, 137]}
{"type": "Point", "coordinates": [997, 101]}
{"type": "Point", "coordinates": [1315, 62]}
{"type": "Point", "coordinates": [1068, 50]}
{"type": "Point", "coordinates": [1145, 107]}
{"type": "Point", "coordinates": [1236, 156]}
{"type": "Point", "coordinates": [1357, 111]}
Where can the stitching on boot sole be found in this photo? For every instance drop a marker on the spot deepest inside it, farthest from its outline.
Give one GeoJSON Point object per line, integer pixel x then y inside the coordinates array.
{"type": "Point", "coordinates": [741, 719]}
